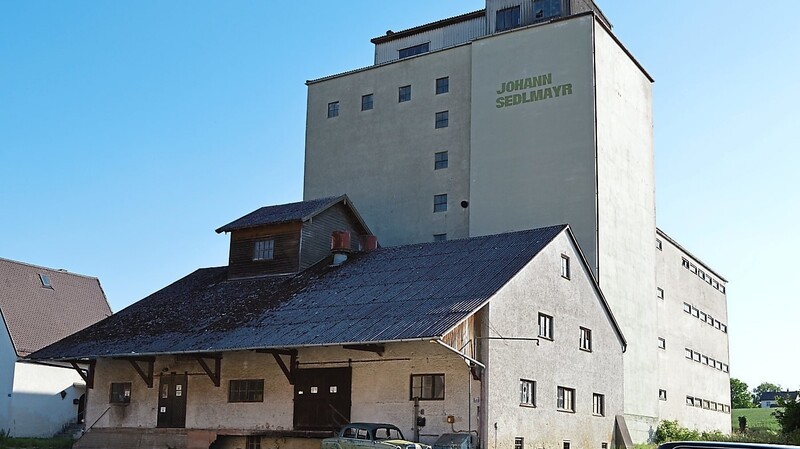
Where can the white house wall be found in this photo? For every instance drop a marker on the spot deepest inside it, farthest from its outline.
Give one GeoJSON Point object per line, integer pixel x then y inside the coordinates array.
{"type": "Point", "coordinates": [37, 407]}
{"type": "Point", "coordinates": [7, 358]}
{"type": "Point", "coordinates": [513, 312]}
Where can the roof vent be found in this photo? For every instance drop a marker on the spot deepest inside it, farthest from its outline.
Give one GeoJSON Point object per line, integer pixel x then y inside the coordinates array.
{"type": "Point", "coordinates": [369, 242]}
{"type": "Point", "coordinates": [340, 246]}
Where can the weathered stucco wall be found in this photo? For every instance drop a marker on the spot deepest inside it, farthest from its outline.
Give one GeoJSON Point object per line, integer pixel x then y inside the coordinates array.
{"type": "Point", "coordinates": [572, 303]}
{"type": "Point", "coordinates": [626, 219]}
{"type": "Point", "coordinates": [383, 158]}
{"type": "Point", "coordinates": [381, 390]}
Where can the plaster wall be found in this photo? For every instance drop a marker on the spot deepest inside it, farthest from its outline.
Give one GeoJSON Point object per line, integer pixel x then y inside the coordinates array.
{"type": "Point", "coordinates": [384, 158]}
{"type": "Point", "coordinates": [8, 356]}
{"type": "Point", "coordinates": [533, 164]}
{"type": "Point", "coordinates": [37, 407]}
{"type": "Point", "coordinates": [626, 219]}
{"type": "Point", "coordinates": [573, 303]}
{"type": "Point", "coordinates": [381, 390]}
{"type": "Point", "coordinates": [679, 375]}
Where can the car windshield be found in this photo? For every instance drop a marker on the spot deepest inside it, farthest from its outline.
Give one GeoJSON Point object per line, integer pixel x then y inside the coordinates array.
{"type": "Point", "coordinates": [388, 433]}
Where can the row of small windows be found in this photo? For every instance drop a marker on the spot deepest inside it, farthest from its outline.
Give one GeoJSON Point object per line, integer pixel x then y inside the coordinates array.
{"type": "Point", "coordinates": [706, 360]}
{"type": "Point", "coordinates": [519, 443]}
{"type": "Point", "coordinates": [703, 275]}
{"type": "Point", "coordinates": [415, 50]}
{"type": "Point", "coordinates": [510, 18]}
{"type": "Point", "coordinates": [704, 317]}
{"type": "Point", "coordinates": [692, 401]}
{"type": "Point", "coordinates": [565, 398]}
{"type": "Point", "coordinates": [403, 95]}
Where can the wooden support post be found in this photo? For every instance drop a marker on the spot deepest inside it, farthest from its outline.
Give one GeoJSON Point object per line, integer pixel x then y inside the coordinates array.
{"type": "Point", "coordinates": [216, 374]}
{"type": "Point", "coordinates": [145, 373]}
{"type": "Point", "coordinates": [87, 374]}
{"type": "Point", "coordinates": [377, 349]}
{"type": "Point", "coordinates": [288, 371]}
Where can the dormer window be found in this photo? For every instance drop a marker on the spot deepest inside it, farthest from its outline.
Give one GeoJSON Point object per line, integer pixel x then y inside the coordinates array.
{"type": "Point", "coordinates": [45, 280]}
{"type": "Point", "coordinates": [264, 250]}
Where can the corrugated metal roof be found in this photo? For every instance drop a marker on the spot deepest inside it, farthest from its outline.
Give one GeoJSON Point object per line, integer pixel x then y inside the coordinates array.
{"type": "Point", "coordinates": [284, 213]}
{"type": "Point", "coordinates": [400, 293]}
{"type": "Point", "coordinates": [37, 316]}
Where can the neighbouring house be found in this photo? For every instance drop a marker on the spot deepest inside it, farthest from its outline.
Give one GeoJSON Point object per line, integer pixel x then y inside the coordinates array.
{"type": "Point", "coordinates": [769, 399]}
{"type": "Point", "coordinates": [312, 325]}
{"type": "Point", "coordinates": [40, 306]}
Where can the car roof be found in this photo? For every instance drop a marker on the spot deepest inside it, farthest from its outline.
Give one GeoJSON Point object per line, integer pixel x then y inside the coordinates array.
{"type": "Point", "coordinates": [369, 425]}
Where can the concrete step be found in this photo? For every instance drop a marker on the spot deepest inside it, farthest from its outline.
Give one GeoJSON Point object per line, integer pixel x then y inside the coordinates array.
{"type": "Point", "coordinates": [134, 439]}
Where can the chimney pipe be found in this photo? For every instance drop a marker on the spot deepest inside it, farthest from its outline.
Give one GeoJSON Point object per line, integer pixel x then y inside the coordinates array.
{"type": "Point", "coordinates": [369, 242]}
{"type": "Point", "coordinates": [340, 246]}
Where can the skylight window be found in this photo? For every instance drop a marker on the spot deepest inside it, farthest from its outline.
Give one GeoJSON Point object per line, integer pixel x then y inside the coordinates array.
{"type": "Point", "coordinates": [45, 280]}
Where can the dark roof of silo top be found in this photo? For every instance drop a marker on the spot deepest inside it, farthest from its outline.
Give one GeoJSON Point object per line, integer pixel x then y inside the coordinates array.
{"type": "Point", "coordinates": [283, 213]}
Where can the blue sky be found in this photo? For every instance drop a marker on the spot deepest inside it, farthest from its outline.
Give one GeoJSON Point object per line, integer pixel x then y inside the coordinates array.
{"type": "Point", "coordinates": [129, 131]}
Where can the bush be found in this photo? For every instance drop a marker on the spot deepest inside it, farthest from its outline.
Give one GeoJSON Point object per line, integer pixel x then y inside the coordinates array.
{"type": "Point", "coordinates": [672, 431]}
{"type": "Point", "coordinates": [789, 417]}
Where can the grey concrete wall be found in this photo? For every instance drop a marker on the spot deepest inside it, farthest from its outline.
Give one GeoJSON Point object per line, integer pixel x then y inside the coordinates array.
{"type": "Point", "coordinates": [626, 218]}
{"type": "Point", "coordinates": [572, 303]}
{"type": "Point", "coordinates": [384, 158]}
{"type": "Point", "coordinates": [679, 376]}
{"type": "Point", "coordinates": [533, 164]}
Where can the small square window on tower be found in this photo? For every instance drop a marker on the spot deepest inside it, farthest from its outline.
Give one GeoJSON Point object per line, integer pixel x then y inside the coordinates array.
{"type": "Point", "coordinates": [659, 293]}
{"type": "Point", "coordinates": [662, 395]}
{"type": "Point", "coordinates": [443, 85]}
{"type": "Point", "coordinates": [366, 102]}
{"type": "Point", "coordinates": [440, 203]}
{"type": "Point", "coordinates": [333, 109]}
{"type": "Point", "coordinates": [440, 160]}
{"type": "Point", "coordinates": [442, 119]}
{"type": "Point", "coordinates": [404, 94]}
{"type": "Point", "coordinates": [662, 344]}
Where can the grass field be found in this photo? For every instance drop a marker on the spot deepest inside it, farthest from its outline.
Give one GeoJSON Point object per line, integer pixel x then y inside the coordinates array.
{"type": "Point", "coordinates": [757, 418]}
{"type": "Point", "coordinates": [36, 443]}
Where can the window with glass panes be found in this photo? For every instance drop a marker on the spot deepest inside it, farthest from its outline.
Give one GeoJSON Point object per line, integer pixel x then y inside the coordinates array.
{"type": "Point", "coordinates": [415, 50]}
{"type": "Point", "coordinates": [404, 94]}
{"type": "Point", "coordinates": [586, 339]}
{"type": "Point", "coordinates": [333, 109]}
{"type": "Point", "coordinates": [566, 399]}
{"type": "Point", "coordinates": [246, 390]}
{"type": "Point", "coordinates": [527, 392]}
{"type": "Point", "coordinates": [546, 326]}
{"type": "Point", "coordinates": [440, 160]}
{"type": "Point", "coordinates": [440, 203]}
{"type": "Point", "coordinates": [120, 393]}
{"type": "Point", "coordinates": [366, 102]}
{"type": "Point", "coordinates": [264, 250]}
{"type": "Point", "coordinates": [598, 404]}
{"type": "Point", "coordinates": [507, 18]}
{"type": "Point", "coordinates": [442, 119]}
{"type": "Point", "coordinates": [427, 386]}
{"type": "Point", "coordinates": [545, 9]}
{"type": "Point", "coordinates": [443, 85]}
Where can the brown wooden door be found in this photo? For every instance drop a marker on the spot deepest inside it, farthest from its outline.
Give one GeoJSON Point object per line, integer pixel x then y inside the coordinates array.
{"type": "Point", "coordinates": [172, 400]}
{"type": "Point", "coordinates": [322, 398]}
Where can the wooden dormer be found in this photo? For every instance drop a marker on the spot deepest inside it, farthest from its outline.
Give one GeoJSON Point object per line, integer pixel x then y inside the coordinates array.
{"type": "Point", "coordinates": [289, 238]}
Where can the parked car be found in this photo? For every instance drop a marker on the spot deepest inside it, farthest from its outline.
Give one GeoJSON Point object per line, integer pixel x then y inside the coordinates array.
{"type": "Point", "coordinates": [372, 435]}
{"type": "Point", "coordinates": [721, 445]}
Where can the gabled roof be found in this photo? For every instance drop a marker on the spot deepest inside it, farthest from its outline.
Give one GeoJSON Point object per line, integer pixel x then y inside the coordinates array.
{"type": "Point", "coordinates": [774, 395]}
{"type": "Point", "coordinates": [411, 292]}
{"type": "Point", "coordinates": [36, 316]}
{"type": "Point", "coordinates": [287, 213]}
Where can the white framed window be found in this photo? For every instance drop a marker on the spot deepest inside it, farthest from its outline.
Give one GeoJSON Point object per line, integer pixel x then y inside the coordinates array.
{"type": "Point", "coordinates": [662, 344]}
{"type": "Point", "coordinates": [264, 250]}
{"type": "Point", "coordinates": [598, 404]}
{"type": "Point", "coordinates": [527, 393]}
{"type": "Point", "coordinates": [696, 356]}
{"type": "Point", "coordinates": [565, 268]}
{"type": "Point", "coordinates": [586, 339]}
{"type": "Point", "coordinates": [688, 353]}
{"type": "Point", "coordinates": [687, 307]}
{"type": "Point", "coordinates": [662, 395]}
{"type": "Point", "coordinates": [429, 387]}
{"type": "Point", "coordinates": [690, 401]}
{"type": "Point", "coordinates": [519, 443]}
{"type": "Point", "coordinates": [659, 293]}
{"type": "Point", "coordinates": [565, 399]}
{"type": "Point", "coordinates": [545, 326]}
{"type": "Point", "coordinates": [659, 245]}
{"type": "Point", "coordinates": [45, 280]}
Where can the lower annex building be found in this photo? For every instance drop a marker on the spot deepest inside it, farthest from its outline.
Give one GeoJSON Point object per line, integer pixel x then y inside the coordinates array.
{"type": "Point", "coordinates": [525, 114]}
{"type": "Point", "coordinates": [311, 325]}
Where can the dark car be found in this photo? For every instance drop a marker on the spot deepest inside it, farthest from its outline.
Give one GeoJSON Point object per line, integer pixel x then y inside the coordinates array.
{"type": "Point", "coordinates": [372, 435]}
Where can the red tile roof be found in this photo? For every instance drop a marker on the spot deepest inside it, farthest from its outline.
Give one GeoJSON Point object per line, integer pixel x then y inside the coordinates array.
{"type": "Point", "coordinates": [37, 316]}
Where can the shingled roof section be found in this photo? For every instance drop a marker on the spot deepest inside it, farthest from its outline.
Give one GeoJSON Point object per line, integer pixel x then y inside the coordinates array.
{"type": "Point", "coordinates": [37, 316]}
{"type": "Point", "coordinates": [284, 213]}
{"type": "Point", "coordinates": [408, 292]}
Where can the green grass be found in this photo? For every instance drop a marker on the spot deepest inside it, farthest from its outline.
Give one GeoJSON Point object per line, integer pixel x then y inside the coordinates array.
{"type": "Point", "coordinates": [757, 418]}
{"type": "Point", "coordinates": [36, 443]}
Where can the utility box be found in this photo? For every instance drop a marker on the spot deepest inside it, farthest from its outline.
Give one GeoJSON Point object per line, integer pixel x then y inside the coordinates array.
{"type": "Point", "coordinates": [453, 441]}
